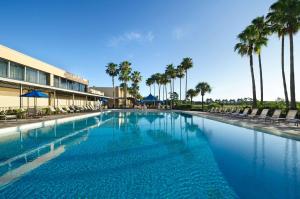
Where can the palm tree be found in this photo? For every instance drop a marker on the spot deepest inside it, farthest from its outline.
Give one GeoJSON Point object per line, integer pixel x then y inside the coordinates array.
{"type": "Point", "coordinates": [203, 88]}
{"type": "Point", "coordinates": [136, 78]}
{"type": "Point", "coordinates": [186, 64]}
{"type": "Point", "coordinates": [157, 78]}
{"type": "Point", "coordinates": [288, 13]}
{"type": "Point", "coordinates": [246, 47]}
{"type": "Point", "coordinates": [180, 75]}
{"type": "Point", "coordinates": [153, 79]}
{"type": "Point", "coordinates": [113, 71]}
{"type": "Point", "coordinates": [124, 76]}
{"type": "Point", "coordinates": [191, 93]}
{"type": "Point", "coordinates": [172, 73]}
{"type": "Point", "coordinates": [262, 31]}
{"type": "Point", "coordinates": [149, 82]}
{"type": "Point", "coordinates": [164, 82]}
{"type": "Point", "coordinates": [278, 26]}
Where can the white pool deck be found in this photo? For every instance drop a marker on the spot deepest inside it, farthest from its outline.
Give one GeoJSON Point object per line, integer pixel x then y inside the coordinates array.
{"type": "Point", "coordinates": [284, 130]}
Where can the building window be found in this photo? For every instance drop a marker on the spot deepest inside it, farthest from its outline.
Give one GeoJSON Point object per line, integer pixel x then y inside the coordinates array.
{"type": "Point", "coordinates": [31, 75]}
{"type": "Point", "coordinates": [63, 83]}
{"type": "Point", "coordinates": [56, 81]}
{"type": "Point", "coordinates": [16, 71]}
{"type": "Point", "coordinates": [43, 78]}
{"type": "Point", "coordinates": [3, 68]}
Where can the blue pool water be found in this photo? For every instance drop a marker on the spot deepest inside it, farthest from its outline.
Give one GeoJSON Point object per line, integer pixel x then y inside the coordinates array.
{"type": "Point", "coordinates": [148, 155]}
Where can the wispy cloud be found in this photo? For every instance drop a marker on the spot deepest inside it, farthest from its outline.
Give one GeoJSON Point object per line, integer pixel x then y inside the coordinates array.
{"type": "Point", "coordinates": [180, 32]}
{"type": "Point", "coordinates": [131, 37]}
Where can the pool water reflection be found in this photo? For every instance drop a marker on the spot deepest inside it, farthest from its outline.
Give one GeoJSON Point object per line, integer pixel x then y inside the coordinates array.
{"type": "Point", "coordinates": [148, 155]}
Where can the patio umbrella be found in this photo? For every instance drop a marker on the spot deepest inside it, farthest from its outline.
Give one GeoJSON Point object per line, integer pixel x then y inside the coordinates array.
{"type": "Point", "coordinates": [35, 94]}
{"type": "Point", "coordinates": [150, 98]}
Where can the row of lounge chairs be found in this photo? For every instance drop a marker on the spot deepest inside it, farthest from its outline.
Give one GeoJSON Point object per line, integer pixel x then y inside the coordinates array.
{"type": "Point", "coordinates": [291, 116]}
{"type": "Point", "coordinates": [32, 112]}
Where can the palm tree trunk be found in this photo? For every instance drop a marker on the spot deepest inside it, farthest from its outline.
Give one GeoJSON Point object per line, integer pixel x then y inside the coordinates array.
{"type": "Point", "coordinates": [261, 80]}
{"type": "Point", "coordinates": [191, 100]}
{"type": "Point", "coordinates": [287, 103]}
{"type": "Point", "coordinates": [171, 100]}
{"type": "Point", "coordinates": [158, 91]}
{"type": "Point", "coordinates": [185, 84]}
{"type": "Point", "coordinates": [292, 74]}
{"type": "Point", "coordinates": [202, 103]}
{"type": "Point", "coordinates": [163, 91]}
{"type": "Point", "coordinates": [173, 87]}
{"type": "Point", "coordinates": [113, 83]}
{"type": "Point", "coordinates": [180, 89]}
{"type": "Point", "coordinates": [150, 89]}
{"type": "Point", "coordinates": [125, 94]}
{"type": "Point", "coordinates": [166, 91]}
{"type": "Point", "coordinates": [253, 82]}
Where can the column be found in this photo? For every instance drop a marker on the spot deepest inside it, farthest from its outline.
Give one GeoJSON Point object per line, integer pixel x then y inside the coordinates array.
{"type": "Point", "coordinates": [21, 93]}
{"type": "Point", "coordinates": [73, 99]}
{"type": "Point", "coordinates": [54, 96]}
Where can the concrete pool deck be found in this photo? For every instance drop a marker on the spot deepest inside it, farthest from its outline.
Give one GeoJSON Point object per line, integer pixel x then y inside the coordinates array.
{"type": "Point", "coordinates": [283, 130]}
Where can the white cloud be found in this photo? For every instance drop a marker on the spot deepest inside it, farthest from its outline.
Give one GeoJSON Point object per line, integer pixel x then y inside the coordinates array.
{"type": "Point", "coordinates": [178, 33]}
{"type": "Point", "coordinates": [131, 37]}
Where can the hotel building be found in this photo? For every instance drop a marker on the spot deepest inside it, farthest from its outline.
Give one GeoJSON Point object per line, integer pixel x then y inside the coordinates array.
{"type": "Point", "coordinates": [20, 73]}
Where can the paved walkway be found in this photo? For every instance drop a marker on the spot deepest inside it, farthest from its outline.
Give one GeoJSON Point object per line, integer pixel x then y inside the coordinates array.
{"type": "Point", "coordinates": [283, 130]}
{"type": "Point", "coordinates": [13, 123]}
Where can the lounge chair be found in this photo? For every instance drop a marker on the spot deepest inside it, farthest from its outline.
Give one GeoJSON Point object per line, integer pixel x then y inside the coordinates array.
{"type": "Point", "coordinates": [290, 117]}
{"type": "Point", "coordinates": [60, 109]}
{"type": "Point", "coordinates": [68, 109]}
{"type": "Point", "coordinates": [275, 117]}
{"type": "Point", "coordinates": [263, 115]}
{"type": "Point", "coordinates": [253, 113]}
{"type": "Point", "coordinates": [52, 110]}
{"type": "Point", "coordinates": [243, 114]}
{"type": "Point", "coordinates": [235, 113]}
{"type": "Point", "coordinates": [8, 117]}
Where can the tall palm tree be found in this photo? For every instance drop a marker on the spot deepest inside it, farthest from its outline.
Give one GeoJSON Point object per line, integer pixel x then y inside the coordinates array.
{"type": "Point", "coordinates": [277, 26]}
{"type": "Point", "coordinates": [191, 93]}
{"type": "Point", "coordinates": [164, 82]}
{"type": "Point", "coordinates": [149, 82]}
{"type": "Point", "coordinates": [262, 31]}
{"type": "Point", "coordinates": [136, 78]}
{"type": "Point", "coordinates": [289, 11]}
{"type": "Point", "coordinates": [157, 79]}
{"type": "Point", "coordinates": [186, 64]}
{"type": "Point", "coordinates": [203, 88]}
{"type": "Point", "coordinates": [113, 71]}
{"type": "Point", "coordinates": [124, 76]}
{"type": "Point", "coordinates": [246, 47]}
{"type": "Point", "coordinates": [153, 79]}
{"type": "Point", "coordinates": [172, 73]}
{"type": "Point", "coordinates": [180, 75]}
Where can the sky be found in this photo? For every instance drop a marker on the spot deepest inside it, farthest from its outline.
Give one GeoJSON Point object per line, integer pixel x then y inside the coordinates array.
{"type": "Point", "coordinates": [82, 36]}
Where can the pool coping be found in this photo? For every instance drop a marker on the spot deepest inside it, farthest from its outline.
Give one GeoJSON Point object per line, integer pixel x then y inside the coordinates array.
{"type": "Point", "coordinates": [25, 127]}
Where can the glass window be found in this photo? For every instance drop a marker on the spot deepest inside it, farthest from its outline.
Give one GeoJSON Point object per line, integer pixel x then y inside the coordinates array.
{"type": "Point", "coordinates": [76, 86]}
{"type": "Point", "coordinates": [43, 78]}
{"type": "Point", "coordinates": [16, 71]}
{"type": "Point", "coordinates": [82, 87]}
{"type": "Point", "coordinates": [63, 83]}
{"type": "Point", "coordinates": [3, 68]}
{"type": "Point", "coordinates": [31, 75]}
{"type": "Point", "coordinates": [69, 85]}
{"type": "Point", "coordinates": [56, 81]}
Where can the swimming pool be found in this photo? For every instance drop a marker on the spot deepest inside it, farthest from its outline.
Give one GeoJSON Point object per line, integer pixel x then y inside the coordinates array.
{"type": "Point", "coordinates": [148, 155]}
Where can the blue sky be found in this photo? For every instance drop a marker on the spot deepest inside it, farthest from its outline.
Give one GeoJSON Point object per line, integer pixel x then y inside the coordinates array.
{"type": "Point", "coordinates": [83, 36]}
